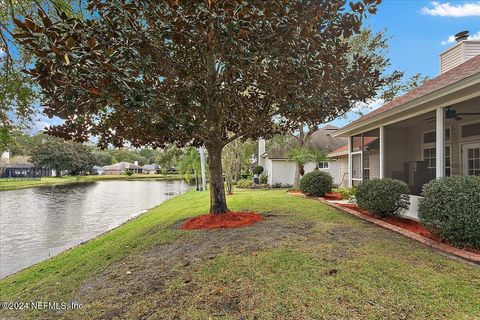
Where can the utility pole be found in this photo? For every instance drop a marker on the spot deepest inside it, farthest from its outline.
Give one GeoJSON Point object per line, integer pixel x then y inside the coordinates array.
{"type": "Point", "coordinates": [202, 164]}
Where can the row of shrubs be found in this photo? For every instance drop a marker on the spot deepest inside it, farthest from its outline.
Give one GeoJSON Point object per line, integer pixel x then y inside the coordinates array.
{"type": "Point", "coordinates": [449, 207]}
{"type": "Point", "coordinates": [249, 184]}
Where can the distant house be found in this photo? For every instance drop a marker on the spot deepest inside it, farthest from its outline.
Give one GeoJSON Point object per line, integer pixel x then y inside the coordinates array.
{"type": "Point", "coordinates": [280, 169]}
{"type": "Point", "coordinates": [151, 169]}
{"type": "Point", "coordinates": [19, 167]}
{"type": "Point", "coordinates": [97, 170]}
{"type": "Point", "coordinates": [121, 168]}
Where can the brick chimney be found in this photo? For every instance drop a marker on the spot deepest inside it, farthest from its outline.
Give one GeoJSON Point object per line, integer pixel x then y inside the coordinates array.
{"type": "Point", "coordinates": [462, 51]}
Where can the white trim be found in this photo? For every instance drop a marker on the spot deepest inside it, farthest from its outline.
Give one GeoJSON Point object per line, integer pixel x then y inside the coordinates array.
{"type": "Point", "coordinates": [382, 152]}
{"type": "Point", "coordinates": [350, 162]}
{"type": "Point", "coordinates": [440, 142]}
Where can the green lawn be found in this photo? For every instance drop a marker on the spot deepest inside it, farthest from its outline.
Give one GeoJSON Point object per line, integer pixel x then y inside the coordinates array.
{"type": "Point", "coordinates": [51, 181]}
{"type": "Point", "coordinates": [305, 261]}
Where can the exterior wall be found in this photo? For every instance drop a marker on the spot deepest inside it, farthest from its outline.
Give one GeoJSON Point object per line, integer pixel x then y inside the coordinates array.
{"type": "Point", "coordinates": [283, 171]}
{"type": "Point", "coordinates": [458, 54]}
{"type": "Point", "coordinates": [375, 165]}
{"type": "Point", "coordinates": [267, 169]}
{"type": "Point", "coordinates": [344, 176]}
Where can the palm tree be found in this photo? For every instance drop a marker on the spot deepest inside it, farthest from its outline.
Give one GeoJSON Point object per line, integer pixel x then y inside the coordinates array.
{"type": "Point", "coordinates": [300, 156]}
{"type": "Point", "coordinates": [318, 156]}
{"type": "Point", "coordinates": [190, 163]}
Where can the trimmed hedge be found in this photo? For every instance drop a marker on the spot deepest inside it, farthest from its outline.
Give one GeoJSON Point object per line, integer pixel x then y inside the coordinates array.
{"type": "Point", "coordinates": [451, 209]}
{"type": "Point", "coordinates": [316, 183]}
{"type": "Point", "coordinates": [383, 197]}
{"type": "Point", "coordinates": [257, 170]}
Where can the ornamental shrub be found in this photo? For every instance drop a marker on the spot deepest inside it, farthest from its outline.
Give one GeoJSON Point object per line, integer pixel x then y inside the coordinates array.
{"type": "Point", "coordinates": [347, 193]}
{"type": "Point", "coordinates": [257, 170]}
{"type": "Point", "coordinates": [383, 197]}
{"type": "Point", "coordinates": [246, 183]}
{"type": "Point", "coordinates": [316, 183]}
{"type": "Point", "coordinates": [451, 209]}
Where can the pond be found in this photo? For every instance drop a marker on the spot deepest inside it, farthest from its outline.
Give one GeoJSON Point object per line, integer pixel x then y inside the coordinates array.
{"type": "Point", "coordinates": [38, 223]}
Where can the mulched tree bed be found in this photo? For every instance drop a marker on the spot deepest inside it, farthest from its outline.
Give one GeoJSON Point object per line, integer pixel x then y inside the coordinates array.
{"type": "Point", "coordinates": [221, 221]}
{"type": "Point", "coordinates": [404, 223]}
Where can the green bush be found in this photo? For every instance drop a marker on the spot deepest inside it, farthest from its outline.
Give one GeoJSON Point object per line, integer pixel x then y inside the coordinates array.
{"type": "Point", "coordinates": [451, 209]}
{"type": "Point", "coordinates": [316, 183]}
{"type": "Point", "coordinates": [244, 183]}
{"type": "Point", "coordinates": [263, 179]}
{"type": "Point", "coordinates": [129, 173]}
{"type": "Point", "coordinates": [257, 170]}
{"type": "Point", "coordinates": [383, 197]}
{"type": "Point", "coordinates": [347, 193]}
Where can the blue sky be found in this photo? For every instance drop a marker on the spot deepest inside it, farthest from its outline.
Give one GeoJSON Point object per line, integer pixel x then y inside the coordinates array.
{"type": "Point", "coordinates": [419, 31]}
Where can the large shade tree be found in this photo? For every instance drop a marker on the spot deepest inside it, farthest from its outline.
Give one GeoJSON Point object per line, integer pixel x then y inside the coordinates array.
{"type": "Point", "coordinates": [149, 73]}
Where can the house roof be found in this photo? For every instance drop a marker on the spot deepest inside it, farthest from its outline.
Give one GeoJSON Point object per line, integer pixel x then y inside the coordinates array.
{"type": "Point", "coordinates": [321, 139]}
{"type": "Point", "coordinates": [460, 72]}
{"type": "Point", "coordinates": [343, 150]}
{"type": "Point", "coordinates": [121, 166]}
{"type": "Point", "coordinates": [27, 165]}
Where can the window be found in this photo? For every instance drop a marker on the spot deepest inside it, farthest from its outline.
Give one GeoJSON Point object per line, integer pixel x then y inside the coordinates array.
{"type": "Point", "coordinates": [470, 130]}
{"type": "Point", "coordinates": [448, 162]}
{"type": "Point", "coordinates": [324, 165]}
{"type": "Point", "coordinates": [430, 157]}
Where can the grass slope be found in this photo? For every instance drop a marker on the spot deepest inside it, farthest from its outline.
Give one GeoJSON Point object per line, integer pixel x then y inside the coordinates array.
{"type": "Point", "coordinates": [7, 184]}
{"type": "Point", "coordinates": [311, 261]}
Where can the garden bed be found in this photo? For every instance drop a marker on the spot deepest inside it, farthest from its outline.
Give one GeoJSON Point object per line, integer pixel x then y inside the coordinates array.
{"type": "Point", "coordinates": [407, 227]}
{"type": "Point", "coordinates": [405, 224]}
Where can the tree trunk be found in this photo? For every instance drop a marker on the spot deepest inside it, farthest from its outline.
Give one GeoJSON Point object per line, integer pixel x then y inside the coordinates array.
{"type": "Point", "coordinates": [299, 171]}
{"type": "Point", "coordinates": [218, 200]}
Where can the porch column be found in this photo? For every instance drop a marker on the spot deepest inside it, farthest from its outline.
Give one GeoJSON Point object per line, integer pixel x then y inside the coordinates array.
{"type": "Point", "coordinates": [440, 144]}
{"type": "Point", "coordinates": [382, 152]}
{"type": "Point", "coordinates": [350, 169]}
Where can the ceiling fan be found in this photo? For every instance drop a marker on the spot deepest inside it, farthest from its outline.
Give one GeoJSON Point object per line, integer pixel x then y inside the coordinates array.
{"type": "Point", "coordinates": [452, 114]}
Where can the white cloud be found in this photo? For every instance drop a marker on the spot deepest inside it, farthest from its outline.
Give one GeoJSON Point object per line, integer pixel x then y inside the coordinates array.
{"type": "Point", "coordinates": [451, 39]}
{"type": "Point", "coordinates": [453, 10]}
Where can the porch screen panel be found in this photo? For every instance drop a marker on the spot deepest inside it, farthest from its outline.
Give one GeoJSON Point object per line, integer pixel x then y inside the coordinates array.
{"type": "Point", "coordinates": [371, 154]}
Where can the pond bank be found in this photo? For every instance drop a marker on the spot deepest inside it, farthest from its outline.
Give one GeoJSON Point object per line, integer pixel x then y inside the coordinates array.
{"type": "Point", "coordinates": [54, 181]}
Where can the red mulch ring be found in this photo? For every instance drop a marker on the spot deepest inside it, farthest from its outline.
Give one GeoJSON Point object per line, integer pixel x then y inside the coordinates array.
{"type": "Point", "coordinates": [404, 223]}
{"type": "Point", "coordinates": [225, 220]}
{"type": "Point", "coordinates": [333, 196]}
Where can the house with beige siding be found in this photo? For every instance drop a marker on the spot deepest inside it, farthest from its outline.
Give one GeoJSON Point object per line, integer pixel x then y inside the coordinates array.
{"type": "Point", "coordinates": [430, 132]}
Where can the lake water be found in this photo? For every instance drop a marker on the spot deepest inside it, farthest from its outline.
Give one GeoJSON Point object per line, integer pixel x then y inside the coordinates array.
{"type": "Point", "coordinates": [38, 223]}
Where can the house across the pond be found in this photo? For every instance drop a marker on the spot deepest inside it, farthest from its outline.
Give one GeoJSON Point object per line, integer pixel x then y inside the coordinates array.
{"type": "Point", "coordinates": [431, 132]}
{"type": "Point", "coordinates": [281, 170]}
{"type": "Point", "coordinates": [121, 168]}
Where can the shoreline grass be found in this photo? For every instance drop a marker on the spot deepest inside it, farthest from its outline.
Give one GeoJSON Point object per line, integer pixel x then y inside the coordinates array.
{"type": "Point", "coordinates": [330, 265]}
{"type": "Point", "coordinates": [55, 181]}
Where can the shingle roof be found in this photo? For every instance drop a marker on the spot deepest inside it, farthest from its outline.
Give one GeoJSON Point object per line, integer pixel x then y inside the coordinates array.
{"type": "Point", "coordinates": [460, 72]}
{"type": "Point", "coordinates": [320, 139]}
{"type": "Point", "coordinates": [122, 166]}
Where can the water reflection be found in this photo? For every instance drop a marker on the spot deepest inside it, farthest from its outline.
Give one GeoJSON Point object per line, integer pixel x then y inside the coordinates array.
{"type": "Point", "coordinates": [37, 223]}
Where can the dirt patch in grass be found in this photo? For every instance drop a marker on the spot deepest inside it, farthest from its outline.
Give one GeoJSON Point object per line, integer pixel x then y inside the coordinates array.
{"type": "Point", "coordinates": [152, 272]}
